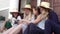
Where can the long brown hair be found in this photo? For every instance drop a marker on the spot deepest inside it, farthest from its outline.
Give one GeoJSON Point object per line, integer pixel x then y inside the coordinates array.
{"type": "Point", "coordinates": [38, 10]}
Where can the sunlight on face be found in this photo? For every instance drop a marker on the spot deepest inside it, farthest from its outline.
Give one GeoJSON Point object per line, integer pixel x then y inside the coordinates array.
{"type": "Point", "coordinates": [42, 10]}
{"type": "Point", "coordinates": [15, 14]}
{"type": "Point", "coordinates": [26, 11]}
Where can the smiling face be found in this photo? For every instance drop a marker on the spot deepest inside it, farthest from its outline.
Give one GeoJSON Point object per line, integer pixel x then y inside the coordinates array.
{"type": "Point", "coordinates": [15, 14]}
{"type": "Point", "coordinates": [26, 11]}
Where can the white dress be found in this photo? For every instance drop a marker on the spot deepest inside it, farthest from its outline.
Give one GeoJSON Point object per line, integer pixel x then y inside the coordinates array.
{"type": "Point", "coordinates": [14, 19]}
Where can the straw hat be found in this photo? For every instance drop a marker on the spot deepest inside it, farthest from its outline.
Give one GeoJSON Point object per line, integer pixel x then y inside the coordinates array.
{"type": "Point", "coordinates": [45, 5]}
{"type": "Point", "coordinates": [14, 11]}
{"type": "Point", "coordinates": [27, 7]}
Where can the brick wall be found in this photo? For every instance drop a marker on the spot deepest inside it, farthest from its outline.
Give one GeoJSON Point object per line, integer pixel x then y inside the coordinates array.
{"type": "Point", "coordinates": [56, 7]}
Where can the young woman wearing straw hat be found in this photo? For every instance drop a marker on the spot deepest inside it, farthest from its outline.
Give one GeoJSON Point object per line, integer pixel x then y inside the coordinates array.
{"type": "Point", "coordinates": [52, 24]}
{"type": "Point", "coordinates": [28, 16]}
{"type": "Point", "coordinates": [15, 16]}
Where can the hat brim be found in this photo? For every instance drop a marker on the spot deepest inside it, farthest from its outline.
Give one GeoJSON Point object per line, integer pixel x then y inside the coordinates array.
{"type": "Point", "coordinates": [26, 8]}
{"type": "Point", "coordinates": [13, 12]}
{"type": "Point", "coordinates": [45, 7]}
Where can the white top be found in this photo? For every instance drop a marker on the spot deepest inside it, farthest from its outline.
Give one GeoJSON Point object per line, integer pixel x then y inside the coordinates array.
{"type": "Point", "coordinates": [14, 19]}
{"type": "Point", "coordinates": [42, 24]}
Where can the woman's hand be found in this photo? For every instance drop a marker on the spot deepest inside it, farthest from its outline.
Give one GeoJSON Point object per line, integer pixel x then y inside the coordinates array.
{"type": "Point", "coordinates": [23, 21]}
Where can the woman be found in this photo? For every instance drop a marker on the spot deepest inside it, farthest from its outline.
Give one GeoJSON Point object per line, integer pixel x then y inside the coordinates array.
{"type": "Point", "coordinates": [28, 15]}
{"type": "Point", "coordinates": [15, 18]}
{"type": "Point", "coordinates": [52, 24]}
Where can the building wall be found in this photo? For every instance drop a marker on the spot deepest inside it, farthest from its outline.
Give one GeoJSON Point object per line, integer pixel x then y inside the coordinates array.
{"type": "Point", "coordinates": [4, 13]}
{"type": "Point", "coordinates": [4, 3]}
{"type": "Point", "coordinates": [56, 7]}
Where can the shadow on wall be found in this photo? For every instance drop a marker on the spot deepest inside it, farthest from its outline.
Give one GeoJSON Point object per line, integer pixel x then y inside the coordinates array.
{"type": "Point", "coordinates": [4, 13]}
{"type": "Point", "coordinates": [2, 18]}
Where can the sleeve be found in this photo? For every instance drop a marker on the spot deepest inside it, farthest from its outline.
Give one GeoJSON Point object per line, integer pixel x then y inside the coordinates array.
{"type": "Point", "coordinates": [53, 16]}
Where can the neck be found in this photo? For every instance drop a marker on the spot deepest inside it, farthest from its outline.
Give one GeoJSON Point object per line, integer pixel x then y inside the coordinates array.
{"type": "Point", "coordinates": [36, 14]}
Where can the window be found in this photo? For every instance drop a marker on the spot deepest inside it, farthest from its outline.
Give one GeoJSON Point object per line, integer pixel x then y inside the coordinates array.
{"type": "Point", "coordinates": [28, 2]}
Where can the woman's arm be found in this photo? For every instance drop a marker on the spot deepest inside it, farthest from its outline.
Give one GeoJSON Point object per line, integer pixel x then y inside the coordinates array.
{"type": "Point", "coordinates": [13, 30]}
{"type": "Point", "coordinates": [40, 17]}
